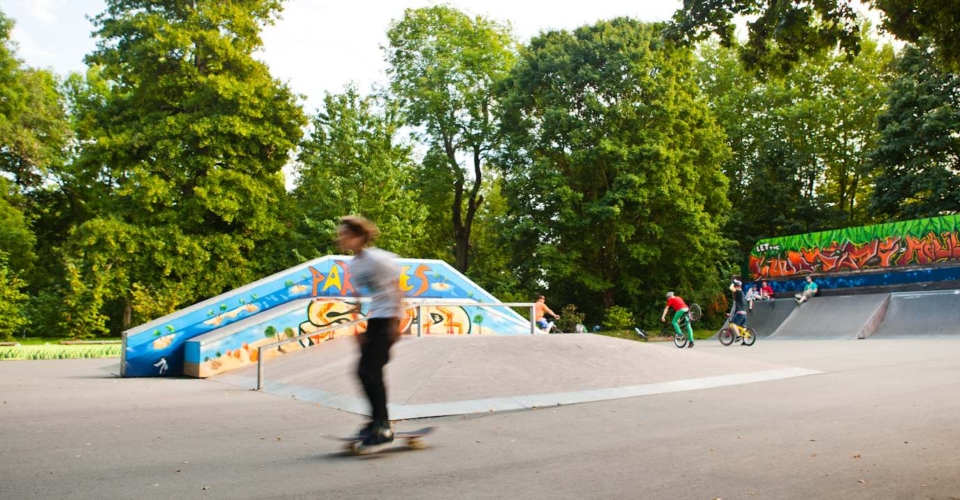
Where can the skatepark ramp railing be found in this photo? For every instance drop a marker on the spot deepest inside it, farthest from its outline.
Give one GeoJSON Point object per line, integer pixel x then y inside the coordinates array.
{"type": "Point", "coordinates": [410, 305]}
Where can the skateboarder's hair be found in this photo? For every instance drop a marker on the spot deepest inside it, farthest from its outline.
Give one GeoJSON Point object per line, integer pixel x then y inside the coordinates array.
{"type": "Point", "coordinates": [361, 227]}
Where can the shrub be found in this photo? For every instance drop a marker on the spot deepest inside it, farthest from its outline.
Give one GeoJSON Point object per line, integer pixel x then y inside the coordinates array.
{"type": "Point", "coordinates": [569, 318]}
{"type": "Point", "coordinates": [618, 318]}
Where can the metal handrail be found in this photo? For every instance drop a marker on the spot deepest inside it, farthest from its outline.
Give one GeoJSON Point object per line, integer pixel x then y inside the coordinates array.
{"type": "Point", "coordinates": [411, 304]}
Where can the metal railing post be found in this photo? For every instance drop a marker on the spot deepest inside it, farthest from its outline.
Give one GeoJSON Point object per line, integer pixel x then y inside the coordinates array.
{"type": "Point", "coordinates": [260, 368]}
{"type": "Point", "coordinates": [533, 320]}
{"type": "Point", "coordinates": [419, 321]}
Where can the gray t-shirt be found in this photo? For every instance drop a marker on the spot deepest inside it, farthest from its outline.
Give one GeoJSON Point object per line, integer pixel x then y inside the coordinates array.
{"type": "Point", "coordinates": [377, 271]}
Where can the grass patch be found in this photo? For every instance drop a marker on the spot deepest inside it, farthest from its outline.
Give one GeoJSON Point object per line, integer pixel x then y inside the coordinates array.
{"type": "Point", "coordinates": [52, 341]}
{"type": "Point", "coordinates": [38, 352]}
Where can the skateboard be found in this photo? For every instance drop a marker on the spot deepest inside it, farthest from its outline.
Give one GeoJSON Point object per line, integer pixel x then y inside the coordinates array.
{"type": "Point", "coordinates": [411, 439]}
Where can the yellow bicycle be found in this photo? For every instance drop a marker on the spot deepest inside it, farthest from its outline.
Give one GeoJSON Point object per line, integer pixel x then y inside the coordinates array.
{"type": "Point", "coordinates": [746, 335]}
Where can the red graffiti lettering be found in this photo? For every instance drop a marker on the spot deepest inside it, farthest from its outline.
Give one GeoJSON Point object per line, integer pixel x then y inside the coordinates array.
{"type": "Point", "coordinates": [347, 283]}
{"type": "Point", "coordinates": [887, 249]}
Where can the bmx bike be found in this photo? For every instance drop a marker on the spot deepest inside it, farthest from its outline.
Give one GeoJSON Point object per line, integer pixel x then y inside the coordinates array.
{"type": "Point", "coordinates": [680, 339]}
{"type": "Point", "coordinates": [551, 326]}
{"type": "Point", "coordinates": [744, 334]}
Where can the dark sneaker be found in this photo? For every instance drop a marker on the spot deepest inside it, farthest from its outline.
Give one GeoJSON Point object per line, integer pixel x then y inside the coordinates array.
{"type": "Point", "coordinates": [366, 430]}
{"type": "Point", "coordinates": [377, 440]}
{"type": "Point", "coordinates": [690, 344]}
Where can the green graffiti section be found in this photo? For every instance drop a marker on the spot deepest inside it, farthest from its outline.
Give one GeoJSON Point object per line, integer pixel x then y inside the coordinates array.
{"type": "Point", "coordinates": [920, 242]}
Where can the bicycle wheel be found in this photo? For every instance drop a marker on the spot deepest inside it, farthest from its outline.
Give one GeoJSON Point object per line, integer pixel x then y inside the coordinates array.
{"type": "Point", "coordinates": [749, 337]}
{"type": "Point", "coordinates": [694, 312]}
{"type": "Point", "coordinates": [725, 337]}
{"type": "Point", "coordinates": [679, 339]}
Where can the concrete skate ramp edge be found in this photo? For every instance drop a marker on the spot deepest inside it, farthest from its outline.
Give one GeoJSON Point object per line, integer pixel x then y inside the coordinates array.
{"type": "Point", "coordinates": [835, 318]}
{"type": "Point", "coordinates": [768, 315]}
{"type": "Point", "coordinates": [922, 314]}
{"type": "Point", "coordinates": [438, 376]}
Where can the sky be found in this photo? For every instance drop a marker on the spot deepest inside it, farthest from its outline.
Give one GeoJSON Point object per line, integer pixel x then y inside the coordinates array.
{"type": "Point", "coordinates": [318, 46]}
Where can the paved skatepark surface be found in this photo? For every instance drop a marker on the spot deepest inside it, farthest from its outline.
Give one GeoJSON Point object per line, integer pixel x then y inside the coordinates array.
{"type": "Point", "coordinates": [921, 314]}
{"type": "Point", "coordinates": [880, 421]}
{"type": "Point", "coordinates": [437, 376]}
{"type": "Point", "coordinates": [834, 318]}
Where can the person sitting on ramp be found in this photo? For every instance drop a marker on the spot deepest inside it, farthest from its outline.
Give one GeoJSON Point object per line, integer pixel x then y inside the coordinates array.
{"type": "Point", "coordinates": [809, 290]}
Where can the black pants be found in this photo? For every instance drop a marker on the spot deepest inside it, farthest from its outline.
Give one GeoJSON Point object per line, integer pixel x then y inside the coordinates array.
{"type": "Point", "coordinates": [374, 354]}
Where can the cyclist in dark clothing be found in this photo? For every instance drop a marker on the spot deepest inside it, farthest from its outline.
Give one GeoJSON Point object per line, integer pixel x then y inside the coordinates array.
{"type": "Point", "coordinates": [738, 317]}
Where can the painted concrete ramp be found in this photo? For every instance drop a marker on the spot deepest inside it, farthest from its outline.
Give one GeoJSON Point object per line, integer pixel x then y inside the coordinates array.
{"type": "Point", "coordinates": [437, 376]}
{"type": "Point", "coordinates": [922, 314]}
{"type": "Point", "coordinates": [835, 318]}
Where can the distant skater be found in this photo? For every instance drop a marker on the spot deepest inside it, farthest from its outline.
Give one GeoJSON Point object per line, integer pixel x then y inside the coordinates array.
{"type": "Point", "coordinates": [375, 271]}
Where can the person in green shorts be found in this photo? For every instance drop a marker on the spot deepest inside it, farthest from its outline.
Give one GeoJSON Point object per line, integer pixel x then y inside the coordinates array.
{"type": "Point", "coordinates": [677, 304]}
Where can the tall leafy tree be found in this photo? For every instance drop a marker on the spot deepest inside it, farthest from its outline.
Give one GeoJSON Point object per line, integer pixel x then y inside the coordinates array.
{"type": "Point", "coordinates": [353, 163]}
{"type": "Point", "coordinates": [34, 129]}
{"type": "Point", "coordinates": [443, 66]}
{"type": "Point", "coordinates": [13, 301]}
{"type": "Point", "coordinates": [612, 168]}
{"type": "Point", "coordinates": [800, 143]}
{"type": "Point", "coordinates": [918, 155]}
{"type": "Point", "coordinates": [182, 154]}
{"type": "Point", "coordinates": [782, 33]}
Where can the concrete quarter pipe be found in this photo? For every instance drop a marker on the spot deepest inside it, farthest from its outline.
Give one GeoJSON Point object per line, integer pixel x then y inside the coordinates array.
{"type": "Point", "coordinates": [922, 313]}
{"type": "Point", "coordinates": [835, 317]}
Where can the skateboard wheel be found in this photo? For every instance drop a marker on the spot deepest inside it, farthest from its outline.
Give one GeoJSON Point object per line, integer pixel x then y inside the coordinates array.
{"type": "Point", "coordinates": [416, 444]}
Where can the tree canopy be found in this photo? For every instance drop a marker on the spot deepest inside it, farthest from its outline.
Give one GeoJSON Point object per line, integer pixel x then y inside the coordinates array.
{"type": "Point", "coordinates": [918, 156]}
{"type": "Point", "coordinates": [183, 152]}
{"type": "Point", "coordinates": [612, 166]}
{"type": "Point", "coordinates": [443, 66]}
{"type": "Point", "coordinates": [781, 33]}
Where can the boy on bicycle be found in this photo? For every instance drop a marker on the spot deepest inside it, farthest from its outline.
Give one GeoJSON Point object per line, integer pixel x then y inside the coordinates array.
{"type": "Point", "coordinates": [738, 317]}
{"type": "Point", "coordinates": [677, 304]}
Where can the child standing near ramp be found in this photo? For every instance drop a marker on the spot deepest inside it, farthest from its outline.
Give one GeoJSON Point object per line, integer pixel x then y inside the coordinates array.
{"type": "Point", "coordinates": [375, 271]}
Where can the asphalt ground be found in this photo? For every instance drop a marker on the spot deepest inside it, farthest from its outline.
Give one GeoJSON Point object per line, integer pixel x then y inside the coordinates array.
{"type": "Point", "coordinates": [879, 422]}
{"type": "Point", "coordinates": [438, 376]}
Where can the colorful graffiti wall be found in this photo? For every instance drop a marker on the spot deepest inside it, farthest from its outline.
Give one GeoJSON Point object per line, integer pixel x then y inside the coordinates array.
{"type": "Point", "coordinates": [897, 245]}
{"type": "Point", "coordinates": [238, 345]}
{"type": "Point", "coordinates": [269, 308]}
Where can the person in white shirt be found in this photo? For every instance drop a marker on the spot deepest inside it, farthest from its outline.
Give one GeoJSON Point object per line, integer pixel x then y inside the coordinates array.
{"type": "Point", "coordinates": [377, 275]}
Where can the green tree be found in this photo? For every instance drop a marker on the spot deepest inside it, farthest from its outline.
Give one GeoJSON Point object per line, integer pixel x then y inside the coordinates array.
{"type": "Point", "coordinates": [13, 302]}
{"type": "Point", "coordinates": [800, 143]}
{"type": "Point", "coordinates": [918, 155]}
{"type": "Point", "coordinates": [81, 305]}
{"type": "Point", "coordinates": [612, 168]}
{"type": "Point", "coordinates": [443, 66]}
{"type": "Point", "coordinates": [183, 145]}
{"type": "Point", "coordinates": [782, 33]}
{"type": "Point", "coordinates": [16, 239]}
{"type": "Point", "coordinates": [34, 129]}
{"type": "Point", "coordinates": [354, 164]}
